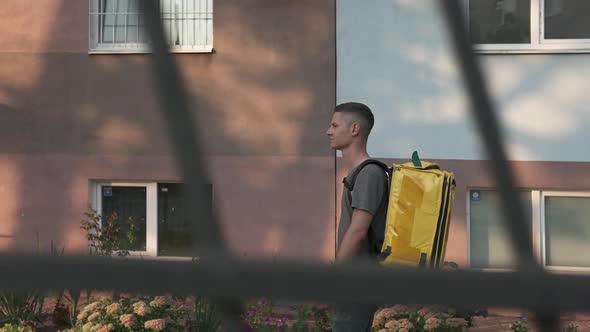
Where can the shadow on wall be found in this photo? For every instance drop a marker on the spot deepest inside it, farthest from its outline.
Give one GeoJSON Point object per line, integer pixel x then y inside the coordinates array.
{"type": "Point", "coordinates": [69, 117]}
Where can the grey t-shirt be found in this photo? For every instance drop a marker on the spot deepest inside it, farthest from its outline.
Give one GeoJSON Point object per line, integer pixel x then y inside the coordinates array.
{"type": "Point", "coordinates": [367, 194]}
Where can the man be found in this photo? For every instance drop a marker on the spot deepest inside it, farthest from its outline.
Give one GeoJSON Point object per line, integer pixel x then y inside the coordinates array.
{"type": "Point", "coordinates": [361, 208]}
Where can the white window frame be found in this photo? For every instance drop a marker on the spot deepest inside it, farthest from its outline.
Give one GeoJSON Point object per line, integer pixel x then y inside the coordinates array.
{"type": "Point", "coordinates": [538, 43]}
{"type": "Point", "coordinates": [538, 229]}
{"type": "Point", "coordinates": [95, 47]}
{"type": "Point", "coordinates": [151, 229]}
{"type": "Point", "coordinates": [543, 234]}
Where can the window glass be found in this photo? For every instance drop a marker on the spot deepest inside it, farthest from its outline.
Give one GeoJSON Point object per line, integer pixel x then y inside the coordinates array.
{"type": "Point", "coordinates": [126, 207]}
{"type": "Point", "coordinates": [175, 232]}
{"type": "Point", "coordinates": [187, 23]}
{"type": "Point", "coordinates": [567, 19]}
{"type": "Point", "coordinates": [490, 245]}
{"type": "Point", "coordinates": [500, 21]}
{"type": "Point", "coordinates": [567, 230]}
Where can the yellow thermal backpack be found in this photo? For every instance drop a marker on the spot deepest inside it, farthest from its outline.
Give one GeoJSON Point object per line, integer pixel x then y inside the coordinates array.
{"type": "Point", "coordinates": [419, 205]}
{"type": "Point", "coordinates": [421, 199]}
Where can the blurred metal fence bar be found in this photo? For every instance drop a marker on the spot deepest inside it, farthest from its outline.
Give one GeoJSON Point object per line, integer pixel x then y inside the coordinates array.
{"type": "Point", "coordinates": [300, 281]}
{"type": "Point", "coordinates": [176, 112]}
{"type": "Point", "coordinates": [177, 115]}
{"type": "Point", "coordinates": [487, 124]}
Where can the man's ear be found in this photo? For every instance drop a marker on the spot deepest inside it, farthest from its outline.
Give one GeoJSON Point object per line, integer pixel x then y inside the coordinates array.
{"type": "Point", "coordinates": [355, 129]}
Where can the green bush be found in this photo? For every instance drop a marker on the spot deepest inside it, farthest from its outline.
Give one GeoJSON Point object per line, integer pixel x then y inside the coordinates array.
{"type": "Point", "coordinates": [16, 307]}
{"type": "Point", "coordinates": [15, 328]}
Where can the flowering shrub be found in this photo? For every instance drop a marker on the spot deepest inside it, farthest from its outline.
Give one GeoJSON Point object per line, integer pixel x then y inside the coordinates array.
{"type": "Point", "coordinates": [143, 314]}
{"type": "Point", "coordinates": [259, 317]}
{"type": "Point", "coordinates": [402, 318]}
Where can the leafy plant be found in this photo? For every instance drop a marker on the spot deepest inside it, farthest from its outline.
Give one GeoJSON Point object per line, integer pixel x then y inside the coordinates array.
{"type": "Point", "coordinates": [206, 317]}
{"type": "Point", "coordinates": [520, 325]}
{"type": "Point", "coordinates": [15, 328]}
{"type": "Point", "coordinates": [18, 307]}
{"type": "Point", "coordinates": [309, 318]}
{"type": "Point", "coordinates": [61, 313]}
{"type": "Point", "coordinates": [259, 316]}
{"type": "Point", "coordinates": [106, 236]}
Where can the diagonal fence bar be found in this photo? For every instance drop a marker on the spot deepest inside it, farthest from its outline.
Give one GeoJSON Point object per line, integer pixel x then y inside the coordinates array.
{"type": "Point", "coordinates": [176, 112]}
{"type": "Point", "coordinates": [487, 124]}
{"type": "Point", "coordinates": [300, 282]}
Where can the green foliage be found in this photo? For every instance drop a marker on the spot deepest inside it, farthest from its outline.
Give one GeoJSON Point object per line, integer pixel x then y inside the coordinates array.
{"type": "Point", "coordinates": [259, 316]}
{"type": "Point", "coordinates": [206, 317]}
{"type": "Point", "coordinates": [61, 314]}
{"type": "Point", "coordinates": [17, 307]}
{"type": "Point", "coordinates": [520, 325]}
{"type": "Point", "coordinates": [15, 328]}
{"type": "Point", "coordinates": [309, 318]}
{"type": "Point", "coordinates": [105, 236]}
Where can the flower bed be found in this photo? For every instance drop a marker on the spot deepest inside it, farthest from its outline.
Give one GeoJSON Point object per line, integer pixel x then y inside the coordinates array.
{"type": "Point", "coordinates": [161, 313]}
{"type": "Point", "coordinates": [402, 318]}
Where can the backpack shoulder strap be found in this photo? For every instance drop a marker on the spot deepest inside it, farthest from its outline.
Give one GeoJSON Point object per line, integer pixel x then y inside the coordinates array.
{"type": "Point", "coordinates": [349, 183]}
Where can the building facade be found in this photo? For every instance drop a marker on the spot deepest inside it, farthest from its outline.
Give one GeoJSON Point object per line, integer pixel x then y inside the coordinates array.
{"type": "Point", "coordinates": [81, 126]}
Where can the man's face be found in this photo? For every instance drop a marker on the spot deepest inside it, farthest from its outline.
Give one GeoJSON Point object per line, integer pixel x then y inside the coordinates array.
{"type": "Point", "coordinates": [339, 133]}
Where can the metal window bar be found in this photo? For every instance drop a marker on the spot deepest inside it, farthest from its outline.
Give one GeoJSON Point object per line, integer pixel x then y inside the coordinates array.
{"type": "Point", "coordinates": [221, 276]}
{"type": "Point", "coordinates": [126, 18]}
{"type": "Point", "coordinates": [180, 19]}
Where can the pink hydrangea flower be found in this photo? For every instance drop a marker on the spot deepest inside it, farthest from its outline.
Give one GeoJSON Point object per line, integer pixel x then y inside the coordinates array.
{"type": "Point", "coordinates": [92, 306]}
{"type": "Point", "coordinates": [82, 315]}
{"type": "Point", "coordinates": [159, 301]}
{"type": "Point", "coordinates": [93, 316]}
{"type": "Point", "coordinates": [431, 324]}
{"type": "Point", "coordinates": [141, 308]}
{"type": "Point", "coordinates": [127, 320]}
{"type": "Point", "coordinates": [392, 324]}
{"type": "Point", "coordinates": [405, 324]}
{"type": "Point", "coordinates": [377, 321]}
{"type": "Point", "coordinates": [155, 324]}
{"type": "Point", "coordinates": [87, 326]}
{"type": "Point", "coordinates": [106, 328]}
{"type": "Point", "coordinates": [113, 308]}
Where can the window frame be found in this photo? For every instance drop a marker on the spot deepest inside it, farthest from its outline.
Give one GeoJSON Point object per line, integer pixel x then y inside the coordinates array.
{"type": "Point", "coordinates": [151, 217]}
{"type": "Point", "coordinates": [95, 47]}
{"type": "Point", "coordinates": [538, 228]}
{"type": "Point", "coordinates": [538, 42]}
{"type": "Point", "coordinates": [543, 228]}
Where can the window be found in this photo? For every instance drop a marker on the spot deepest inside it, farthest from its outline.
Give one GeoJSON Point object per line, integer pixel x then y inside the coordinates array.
{"type": "Point", "coordinates": [116, 26]}
{"type": "Point", "coordinates": [559, 223]}
{"type": "Point", "coordinates": [498, 26]}
{"type": "Point", "coordinates": [490, 247]}
{"type": "Point", "coordinates": [153, 213]}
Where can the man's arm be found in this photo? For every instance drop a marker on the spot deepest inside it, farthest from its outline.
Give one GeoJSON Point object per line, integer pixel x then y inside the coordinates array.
{"type": "Point", "coordinates": [355, 235]}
